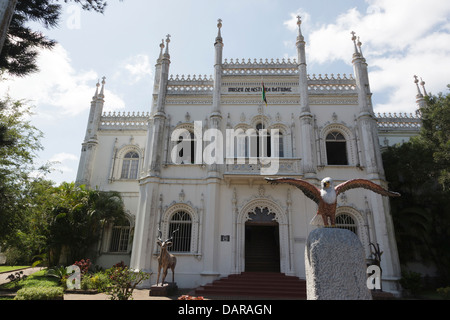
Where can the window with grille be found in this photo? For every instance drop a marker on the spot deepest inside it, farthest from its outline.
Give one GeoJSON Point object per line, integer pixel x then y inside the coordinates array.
{"type": "Point", "coordinates": [344, 221]}
{"type": "Point", "coordinates": [119, 239]}
{"type": "Point", "coordinates": [130, 166]}
{"type": "Point", "coordinates": [336, 147]}
{"type": "Point", "coordinates": [182, 222]}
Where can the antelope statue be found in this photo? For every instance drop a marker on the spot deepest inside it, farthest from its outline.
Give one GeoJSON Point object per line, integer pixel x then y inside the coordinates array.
{"type": "Point", "coordinates": [165, 259]}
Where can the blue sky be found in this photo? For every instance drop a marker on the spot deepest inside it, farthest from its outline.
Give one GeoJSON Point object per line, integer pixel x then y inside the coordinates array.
{"type": "Point", "coordinates": [400, 38]}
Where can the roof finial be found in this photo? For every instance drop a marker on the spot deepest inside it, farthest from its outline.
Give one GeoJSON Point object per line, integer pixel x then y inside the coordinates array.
{"type": "Point", "coordinates": [167, 47]}
{"type": "Point", "coordinates": [161, 49]}
{"type": "Point", "coordinates": [416, 81]}
{"type": "Point", "coordinates": [96, 90]}
{"type": "Point", "coordinates": [359, 46]}
{"type": "Point", "coordinates": [102, 91]}
{"type": "Point", "coordinates": [422, 83]}
{"type": "Point", "coordinates": [219, 34]}
{"type": "Point", "coordinates": [299, 23]}
{"type": "Point", "coordinates": [353, 33]}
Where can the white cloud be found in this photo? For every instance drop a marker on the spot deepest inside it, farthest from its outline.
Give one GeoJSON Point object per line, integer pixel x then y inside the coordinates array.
{"type": "Point", "coordinates": [58, 89]}
{"type": "Point", "coordinates": [63, 164]}
{"type": "Point", "coordinates": [400, 39]}
{"type": "Point", "coordinates": [62, 157]}
{"type": "Point", "coordinates": [136, 68]}
{"type": "Point", "coordinates": [291, 24]}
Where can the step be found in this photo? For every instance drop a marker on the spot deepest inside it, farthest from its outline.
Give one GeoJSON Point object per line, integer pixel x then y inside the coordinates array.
{"type": "Point", "coordinates": [256, 284]}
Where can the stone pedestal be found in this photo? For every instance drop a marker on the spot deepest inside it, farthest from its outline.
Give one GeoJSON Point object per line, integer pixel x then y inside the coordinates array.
{"type": "Point", "coordinates": [164, 290]}
{"type": "Point", "coordinates": [335, 266]}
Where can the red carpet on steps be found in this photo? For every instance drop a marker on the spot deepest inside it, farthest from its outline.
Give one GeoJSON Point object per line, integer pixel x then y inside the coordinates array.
{"type": "Point", "coordinates": [269, 285]}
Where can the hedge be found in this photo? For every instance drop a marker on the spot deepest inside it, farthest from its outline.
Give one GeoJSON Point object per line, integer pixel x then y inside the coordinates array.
{"type": "Point", "coordinates": [40, 293]}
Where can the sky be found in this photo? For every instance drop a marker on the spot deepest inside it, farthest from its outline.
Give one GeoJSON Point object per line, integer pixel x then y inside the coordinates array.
{"type": "Point", "coordinates": [400, 39]}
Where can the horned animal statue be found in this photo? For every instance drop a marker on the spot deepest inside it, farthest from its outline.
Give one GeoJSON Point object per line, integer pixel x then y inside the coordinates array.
{"type": "Point", "coordinates": [166, 260]}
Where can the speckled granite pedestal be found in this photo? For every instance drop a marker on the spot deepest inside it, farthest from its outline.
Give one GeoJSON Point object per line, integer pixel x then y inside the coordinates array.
{"type": "Point", "coordinates": [335, 266]}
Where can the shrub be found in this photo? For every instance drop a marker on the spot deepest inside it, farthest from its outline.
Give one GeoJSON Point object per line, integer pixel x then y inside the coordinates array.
{"type": "Point", "coordinates": [188, 297]}
{"type": "Point", "coordinates": [444, 292]}
{"type": "Point", "coordinates": [100, 281]}
{"type": "Point", "coordinates": [60, 273]}
{"type": "Point", "coordinates": [411, 282]}
{"type": "Point", "coordinates": [123, 281]}
{"type": "Point", "coordinates": [39, 293]}
{"type": "Point", "coordinates": [84, 265]}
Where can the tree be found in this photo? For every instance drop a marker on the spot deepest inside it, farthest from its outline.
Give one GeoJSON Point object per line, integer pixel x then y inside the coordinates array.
{"type": "Point", "coordinates": [419, 170]}
{"type": "Point", "coordinates": [19, 144]}
{"type": "Point", "coordinates": [20, 49]}
{"type": "Point", "coordinates": [77, 219]}
{"type": "Point", "coordinates": [436, 133]}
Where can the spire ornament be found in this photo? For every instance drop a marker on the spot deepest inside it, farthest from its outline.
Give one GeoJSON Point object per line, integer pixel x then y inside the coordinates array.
{"type": "Point", "coordinates": [300, 37]}
{"type": "Point", "coordinates": [422, 83]}
{"type": "Point", "coordinates": [353, 33]}
{"type": "Point", "coordinates": [359, 44]}
{"type": "Point", "coordinates": [161, 46]}
{"type": "Point", "coordinates": [102, 91]}
{"type": "Point", "coordinates": [96, 90]}
{"type": "Point", "coordinates": [219, 34]}
{"type": "Point", "coordinates": [166, 54]}
{"type": "Point", "coordinates": [416, 81]}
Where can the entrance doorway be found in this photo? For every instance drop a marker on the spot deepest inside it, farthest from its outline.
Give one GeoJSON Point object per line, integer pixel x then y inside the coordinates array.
{"type": "Point", "coordinates": [262, 247]}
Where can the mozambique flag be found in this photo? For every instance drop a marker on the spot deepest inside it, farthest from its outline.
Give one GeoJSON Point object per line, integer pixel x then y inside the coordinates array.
{"type": "Point", "coordinates": [264, 93]}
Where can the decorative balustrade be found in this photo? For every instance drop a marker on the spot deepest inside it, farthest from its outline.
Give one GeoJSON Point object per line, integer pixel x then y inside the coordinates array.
{"type": "Point", "coordinates": [124, 120]}
{"type": "Point", "coordinates": [285, 166]}
{"type": "Point", "coordinates": [259, 68]}
{"type": "Point", "coordinates": [190, 85]}
{"type": "Point", "coordinates": [332, 77]}
{"type": "Point", "coordinates": [394, 121]}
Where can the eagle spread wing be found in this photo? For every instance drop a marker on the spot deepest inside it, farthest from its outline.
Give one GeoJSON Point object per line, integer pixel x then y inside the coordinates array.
{"type": "Point", "coordinates": [366, 184]}
{"type": "Point", "coordinates": [310, 190]}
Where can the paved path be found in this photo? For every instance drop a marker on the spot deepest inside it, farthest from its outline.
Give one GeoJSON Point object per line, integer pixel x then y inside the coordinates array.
{"type": "Point", "coordinates": [27, 272]}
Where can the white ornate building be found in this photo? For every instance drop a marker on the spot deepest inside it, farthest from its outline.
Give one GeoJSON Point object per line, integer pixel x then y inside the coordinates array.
{"type": "Point", "coordinates": [229, 219]}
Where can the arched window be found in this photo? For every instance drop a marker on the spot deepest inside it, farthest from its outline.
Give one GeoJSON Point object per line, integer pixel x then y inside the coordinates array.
{"type": "Point", "coordinates": [336, 147]}
{"type": "Point", "coordinates": [181, 221]}
{"type": "Point", "coordinates": [344, 221]}
{"type": "Point", "coordinates": [280, 145]}
{"type": "Point", "coordinates": [186, 147]}
{"type": "Point", "coordinates": [119, 238]}
{"type": "Point", "coordinates": [263, 147]}
{"type": "Point", "coordinates": [130, 166]}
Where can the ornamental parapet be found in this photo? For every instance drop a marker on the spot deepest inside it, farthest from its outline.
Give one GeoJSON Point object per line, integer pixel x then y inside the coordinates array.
{"type": "Point", "coordinates": [124, 121]}
{"type": "Point", "coordinates": [259, 68]}
{"type": "Point", "coordinates": [400, 121]}
{"type": "Point", "coordinates": [190, 85]}
{"type": "Point", "coordinates": [252, 166]}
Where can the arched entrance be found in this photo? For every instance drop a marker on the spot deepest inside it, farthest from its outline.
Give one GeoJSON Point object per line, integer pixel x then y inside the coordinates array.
{"type": "Point", "coordinates": [262, 238]}
{"type": "Point", "coordinates": [262, 247]}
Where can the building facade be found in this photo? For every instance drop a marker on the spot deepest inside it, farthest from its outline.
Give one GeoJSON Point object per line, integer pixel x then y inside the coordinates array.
{"type": "Point", "coordinates": [193, 166]}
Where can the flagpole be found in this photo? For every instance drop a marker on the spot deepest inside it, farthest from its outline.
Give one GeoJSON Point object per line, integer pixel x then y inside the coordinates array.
{"type": "Point", "coordinates": [262, 117]}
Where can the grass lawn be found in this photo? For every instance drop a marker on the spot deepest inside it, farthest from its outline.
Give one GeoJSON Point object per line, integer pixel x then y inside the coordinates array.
{"type": "Point", "coordinates": [11, 268]}
{"type": "Point", "coordinates": [38, 279]}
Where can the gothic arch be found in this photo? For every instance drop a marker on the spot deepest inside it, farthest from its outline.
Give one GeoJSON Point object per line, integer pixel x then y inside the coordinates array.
{"type": "Point", "coordinates": [349, 138]}
{"type": "Point", "coordinates": [186, 131]}
{"type": "Point", "coordinates": [286, 136]}
{"type": "Point", "coordinates": [120, 156]}
{"type": "Point", "coordinates": [279, 216]}
{"type": "Point", "coordinates": [182, 207]}
{"type": "Point", "coordinates": [360, 223]}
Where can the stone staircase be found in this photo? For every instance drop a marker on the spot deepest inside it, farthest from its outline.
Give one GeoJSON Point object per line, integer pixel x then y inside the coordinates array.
{"type": "Point", "coordinates": [255, 285]}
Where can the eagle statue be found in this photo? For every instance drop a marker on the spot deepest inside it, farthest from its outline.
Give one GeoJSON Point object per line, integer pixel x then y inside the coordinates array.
{"type": "Point", "coordinates": [326, 197]}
